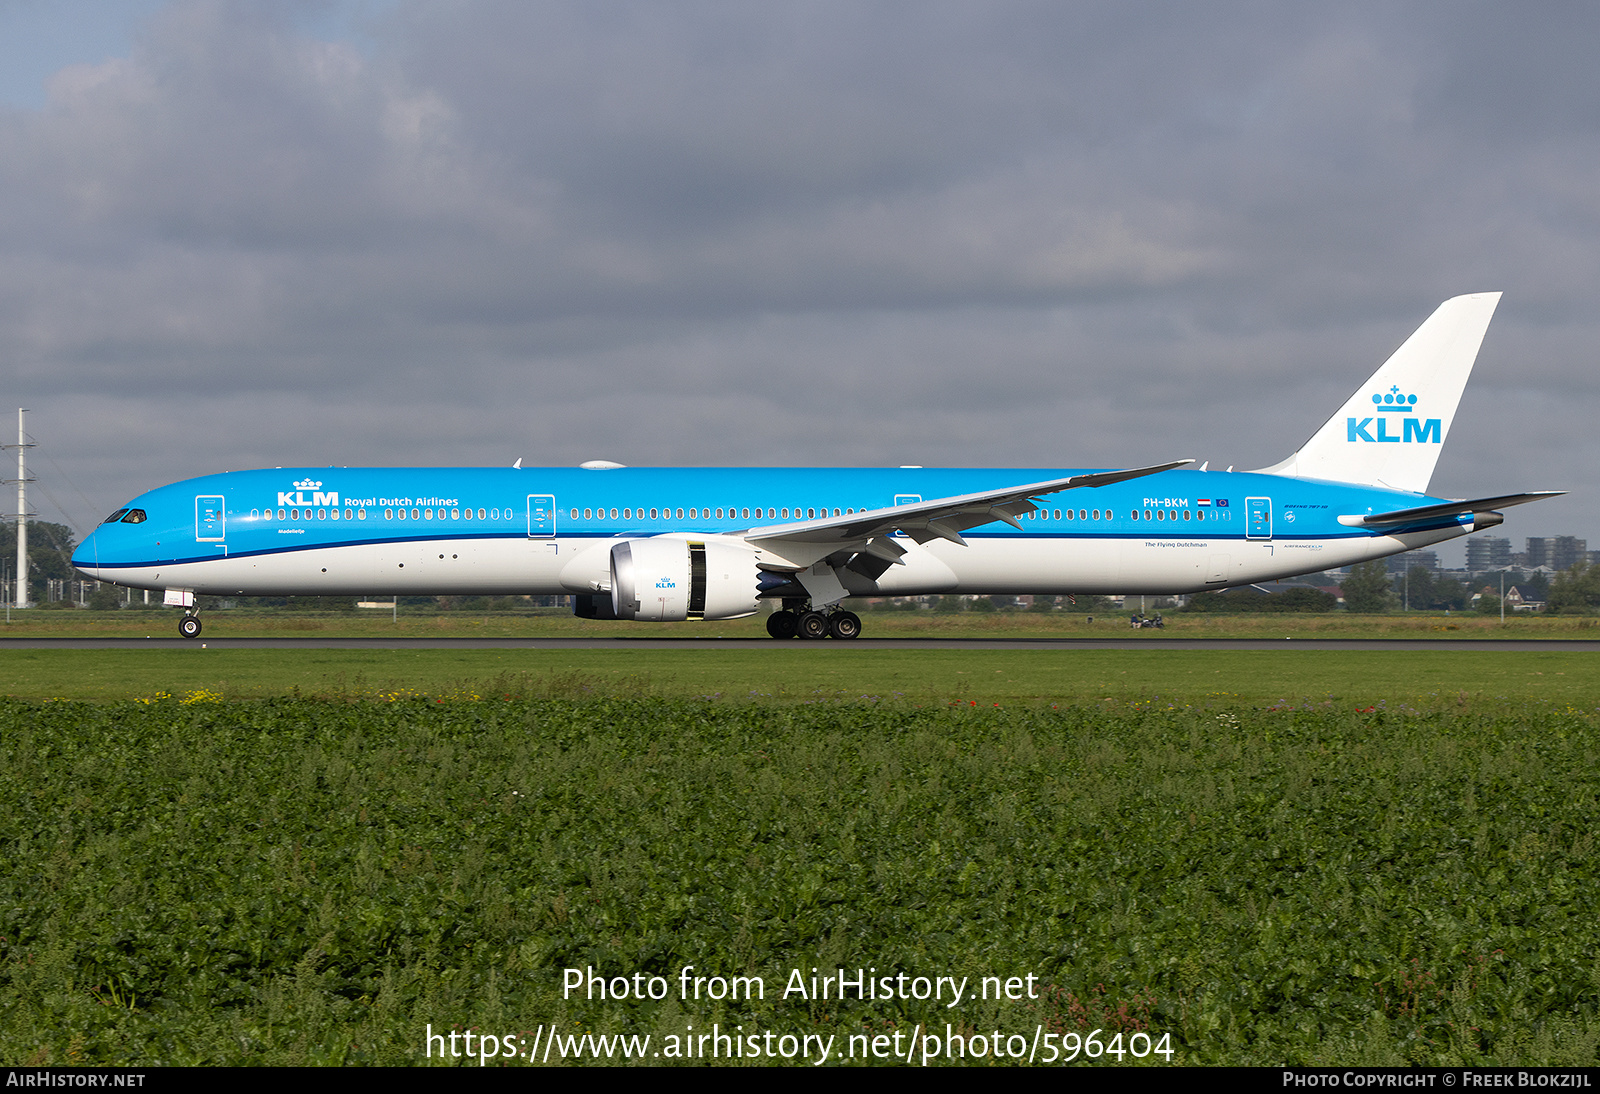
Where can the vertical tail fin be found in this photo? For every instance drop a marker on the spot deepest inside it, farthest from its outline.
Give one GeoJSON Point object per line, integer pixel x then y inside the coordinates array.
{"type": "Point", "coordinates": [1389, 433]}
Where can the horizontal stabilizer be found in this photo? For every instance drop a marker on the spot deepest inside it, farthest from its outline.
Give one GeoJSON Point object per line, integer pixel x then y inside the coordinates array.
{"type": "Point", "coordinates": [1444, 509]}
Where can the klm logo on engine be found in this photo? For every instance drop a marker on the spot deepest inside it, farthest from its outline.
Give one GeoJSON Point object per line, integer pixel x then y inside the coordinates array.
{"type": "Point", "coordinates": [297, 496]}
{"type": "Point", "coordinates": [1412, 430]}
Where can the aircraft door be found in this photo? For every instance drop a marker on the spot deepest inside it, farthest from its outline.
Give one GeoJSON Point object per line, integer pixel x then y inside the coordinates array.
{"type": "Point", "coordinates": [541, 516]}
{"type": "Point", "coordinates": [1258, 518]}
{"type": "Point", "coordinates": [210, 518]}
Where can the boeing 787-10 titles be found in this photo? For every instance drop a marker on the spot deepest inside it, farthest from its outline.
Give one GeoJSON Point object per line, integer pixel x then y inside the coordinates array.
{"type": "Point", "coordinates": [713, 543]}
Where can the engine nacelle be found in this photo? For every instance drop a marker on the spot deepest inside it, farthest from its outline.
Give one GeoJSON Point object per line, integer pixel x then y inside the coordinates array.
{"type": "Point", "coordinates": [663, 580]}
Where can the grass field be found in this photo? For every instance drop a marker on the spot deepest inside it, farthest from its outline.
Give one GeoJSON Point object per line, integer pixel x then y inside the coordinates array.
{"type": "Point", "coordinates": [553, 622]}
{"type": "Point", "coordinates": [319, 881]}
{"type": "Point", "coordinates": [1339, 679]}
{"type": "Point", "coordinates": [285, 857]}
{"type": "Point", "coordinates": [798, 672]}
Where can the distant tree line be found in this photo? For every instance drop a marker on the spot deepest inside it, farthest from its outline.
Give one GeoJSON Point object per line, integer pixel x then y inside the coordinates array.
{"type": "Point", "coordinates": [1300, 599]}
{"type": "Point", "coordinates": [49, 553]}
{"type": "Point", "coordinates": [1575, 591]}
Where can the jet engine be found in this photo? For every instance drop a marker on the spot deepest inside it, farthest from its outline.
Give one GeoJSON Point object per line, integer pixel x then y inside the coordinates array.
{"type": "Point", "coordinates": [664, 580]}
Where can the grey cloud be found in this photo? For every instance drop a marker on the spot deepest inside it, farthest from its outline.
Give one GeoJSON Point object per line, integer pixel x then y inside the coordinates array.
{"type": "Point", "coordinates": [1023, 234]}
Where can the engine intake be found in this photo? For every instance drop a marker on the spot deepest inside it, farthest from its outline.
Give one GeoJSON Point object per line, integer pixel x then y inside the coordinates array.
{"type": "Point", "coordinates": [664, 580]}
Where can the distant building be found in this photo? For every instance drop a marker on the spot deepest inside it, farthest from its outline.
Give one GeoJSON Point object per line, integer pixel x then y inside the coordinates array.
{"type": "Point", "coordinates": [1517, 602]}
{"type": "Point", "coordinates": [1567, 551]}
{"type": "Point", "coordinates": [1488, 553]}
{"type": "Point", "coordinates": [1402, 563]}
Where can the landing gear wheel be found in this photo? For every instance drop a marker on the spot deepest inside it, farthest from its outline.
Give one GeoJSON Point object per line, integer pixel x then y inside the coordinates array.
{"type": "Point", "coordinates": [813, 625]}
{"type": "Point", "coordinates": [782, 624]}
{"type": "Point", "coordinates": [189, 626]}
{"type": "Point", "coordinates": [844, 625]}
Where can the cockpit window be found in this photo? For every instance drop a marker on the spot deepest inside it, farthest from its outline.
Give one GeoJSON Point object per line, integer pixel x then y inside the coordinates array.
{"type": "Point", "coordinates": [114, 517]}
{"type": "Point", "coordinates": [135, 516]}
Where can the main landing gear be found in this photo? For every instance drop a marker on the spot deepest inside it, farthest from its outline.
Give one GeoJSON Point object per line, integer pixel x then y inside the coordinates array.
{"type": "Point", "coordinates": [189, 625]}
{"type": "Point", "coordinates": [814, 624]}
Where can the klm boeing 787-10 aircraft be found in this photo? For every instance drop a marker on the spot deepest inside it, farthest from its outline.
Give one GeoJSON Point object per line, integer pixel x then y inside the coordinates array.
{"type": "Point", "coordinates": [712, 543]}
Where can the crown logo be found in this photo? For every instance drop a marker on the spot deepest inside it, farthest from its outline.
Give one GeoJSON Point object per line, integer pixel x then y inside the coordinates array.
{"type": "Point", "coordinates": [1393, 401]}
{"type": "Point", "coordinates": [308, 484]}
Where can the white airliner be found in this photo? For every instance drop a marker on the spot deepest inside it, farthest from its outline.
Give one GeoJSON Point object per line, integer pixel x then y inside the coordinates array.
{"type": "Point", "coordinates": [712, 543]}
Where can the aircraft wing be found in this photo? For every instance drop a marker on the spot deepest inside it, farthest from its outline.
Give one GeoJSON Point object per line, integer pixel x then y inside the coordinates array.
{"type": "Point", "coordinates": [940, 518]}
{"type": "Point", "coordinates": [1445, 509]}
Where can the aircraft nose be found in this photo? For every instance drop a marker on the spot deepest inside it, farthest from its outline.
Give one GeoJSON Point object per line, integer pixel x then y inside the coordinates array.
{"type": "Point", "coordinates": [84, 557]}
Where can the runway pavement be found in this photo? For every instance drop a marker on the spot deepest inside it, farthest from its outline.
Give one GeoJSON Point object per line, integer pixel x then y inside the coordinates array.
{"type": "Point", "coordinates": [1143, 642]}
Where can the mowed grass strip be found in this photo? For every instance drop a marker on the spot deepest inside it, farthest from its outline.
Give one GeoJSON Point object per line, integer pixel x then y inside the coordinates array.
{"type": "Point", "coordinates": [557, 623]}
{"type": "Point", "coordinates": [1345, 679]}
{"type": "Point", "coordinates": [296, 881]}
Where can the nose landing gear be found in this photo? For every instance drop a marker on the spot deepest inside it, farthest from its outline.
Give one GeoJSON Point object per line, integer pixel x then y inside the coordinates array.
{"type": "Point", "coordinates": [189, 625]}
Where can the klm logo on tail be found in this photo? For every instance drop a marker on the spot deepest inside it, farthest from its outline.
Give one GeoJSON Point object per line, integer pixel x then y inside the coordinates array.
{"type": "Point", "coordinates": [1413, 430]}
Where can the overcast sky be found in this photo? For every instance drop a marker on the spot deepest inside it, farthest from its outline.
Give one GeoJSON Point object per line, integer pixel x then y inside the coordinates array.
{"type": "Point", "coordinates": [983, 234]}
